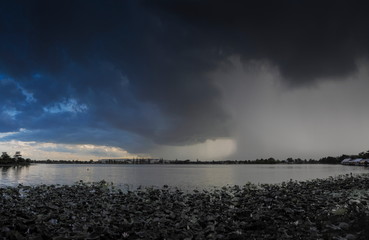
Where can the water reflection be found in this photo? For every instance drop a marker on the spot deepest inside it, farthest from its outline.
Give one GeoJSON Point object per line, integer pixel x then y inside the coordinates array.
{"type": "Point", "coordinates": [14, 172]}
{"type": "Point", "coordinates": [4, 170]}
{"type": "Point", "coordinates": [183, 176]}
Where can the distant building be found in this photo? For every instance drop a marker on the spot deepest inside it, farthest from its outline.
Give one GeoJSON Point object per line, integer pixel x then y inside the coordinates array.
{"type": "Point", "coordinates": [130, 161]}
{"type": "Point", "coordinates": [115, 160]}
{"type": "Point", "coordinates": [364, 162]}
{"type": "Point", "coordinates": [357, 161]}
{"type": "Point", "coordinates": [346, 161]}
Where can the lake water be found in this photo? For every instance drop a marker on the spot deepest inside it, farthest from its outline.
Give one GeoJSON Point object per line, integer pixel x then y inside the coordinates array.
{"type": "Point", "coordinates": [184, 176]}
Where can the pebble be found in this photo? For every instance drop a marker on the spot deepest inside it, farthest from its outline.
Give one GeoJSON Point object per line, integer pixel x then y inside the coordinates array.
{"type": "Point", "coordinates": [101, 211]}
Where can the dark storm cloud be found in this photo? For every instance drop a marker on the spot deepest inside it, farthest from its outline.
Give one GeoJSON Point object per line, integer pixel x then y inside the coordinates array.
{"type": "Point", "coordinates": [130, 70]}
{"type": "Point", "coordinates": [305, 39]}
{"type": "Point", "coordinates": [140, 67]}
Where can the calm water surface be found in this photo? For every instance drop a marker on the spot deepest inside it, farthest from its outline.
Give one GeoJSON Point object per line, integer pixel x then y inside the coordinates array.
{"type": "Point", "coordinates": [184, 176]}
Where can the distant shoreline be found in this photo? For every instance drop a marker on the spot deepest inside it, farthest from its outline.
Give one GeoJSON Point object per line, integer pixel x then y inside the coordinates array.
{"type": "Point", "coordinates": [325, 160]}
{"type": "Point", "coordinates": [180, 163]}
{"type": "Point", "coordinates": [173, 162]}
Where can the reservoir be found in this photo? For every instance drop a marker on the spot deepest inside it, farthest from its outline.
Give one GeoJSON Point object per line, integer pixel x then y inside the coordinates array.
{"type": "Point", "coordinates": [183, 176]}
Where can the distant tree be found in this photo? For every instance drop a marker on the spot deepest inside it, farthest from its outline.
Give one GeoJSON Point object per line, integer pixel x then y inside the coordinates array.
{"type": "Point", "coordinates": [5, 158]}
{"type": "Point", "coordinates": [343, 156]}
{"type": "Point", "coordinates": [271, 160]}
{"type": "Point", "coordinates": [329, 160]}
{"type": "Point", "coordinates": [21, 160]}
{"type": "Point", "coordinates": [366, 155]}
{"type": "Point", "coordinates": [298, 160]}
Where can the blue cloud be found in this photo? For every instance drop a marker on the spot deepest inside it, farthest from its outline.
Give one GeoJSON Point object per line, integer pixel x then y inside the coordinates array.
{"type": "Point", "coordinates": [67, 105]}
{"type": "Point", "coordinates": [115, 70]}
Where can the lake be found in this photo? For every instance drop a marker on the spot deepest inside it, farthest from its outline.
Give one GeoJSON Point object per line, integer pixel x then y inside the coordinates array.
{"type": "Point", "coordinates": [184, 176]}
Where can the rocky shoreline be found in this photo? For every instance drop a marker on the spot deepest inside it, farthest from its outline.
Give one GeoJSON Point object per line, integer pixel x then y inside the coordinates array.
{"type": "Point", "coordinates": [332, 208]}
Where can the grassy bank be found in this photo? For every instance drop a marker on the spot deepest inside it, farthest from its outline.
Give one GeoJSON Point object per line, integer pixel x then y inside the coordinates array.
{"type": "Point", "coordinates": [333, 208]}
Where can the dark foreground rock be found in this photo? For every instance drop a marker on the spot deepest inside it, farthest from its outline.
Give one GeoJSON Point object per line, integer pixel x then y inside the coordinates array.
{"type": "Point", "coordinates": [334, 208]}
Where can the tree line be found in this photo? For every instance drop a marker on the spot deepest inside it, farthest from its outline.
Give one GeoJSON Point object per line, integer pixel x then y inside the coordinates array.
{"type": "Point", "coordinates": [17, 159]}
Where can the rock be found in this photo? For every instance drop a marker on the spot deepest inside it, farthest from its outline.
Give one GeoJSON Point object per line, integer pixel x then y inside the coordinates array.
{"type": "Point", "coordinates": [98, 211]}
{"type": "Point", "coordinates": [340, 211]}
{"type": "Point", "coordinates": [350, 237]}
{"type": "Point", "coordinates": [343, 225]}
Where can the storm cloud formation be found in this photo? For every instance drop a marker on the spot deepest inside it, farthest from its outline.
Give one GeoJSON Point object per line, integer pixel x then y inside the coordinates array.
{"type": "Point", "coordinates": [305, 39]}
{"type": "Point", "coordinates": [134, 74]}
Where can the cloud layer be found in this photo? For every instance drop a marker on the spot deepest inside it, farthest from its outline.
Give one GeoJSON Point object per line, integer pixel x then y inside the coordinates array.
{"type": "Point", "coordinates": [140, 74]}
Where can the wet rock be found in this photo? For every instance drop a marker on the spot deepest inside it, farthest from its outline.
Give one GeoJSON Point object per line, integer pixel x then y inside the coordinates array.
{"type": "Point", "coordinates": [100, 211]}
{"type": "Point", "coordinates": [343, 225]}
{"type": "Point", "coordinates": [350, 237]}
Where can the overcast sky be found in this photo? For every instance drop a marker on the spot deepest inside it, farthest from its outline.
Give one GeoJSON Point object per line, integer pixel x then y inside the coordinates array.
{"type": "Point", "coordinates": [184, 79]}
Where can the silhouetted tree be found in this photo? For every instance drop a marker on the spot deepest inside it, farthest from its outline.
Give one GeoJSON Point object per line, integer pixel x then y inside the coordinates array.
{"type": "Point", "coordinates": [289, 160]}
{"type": "Point", "coordinates": [5, 158]}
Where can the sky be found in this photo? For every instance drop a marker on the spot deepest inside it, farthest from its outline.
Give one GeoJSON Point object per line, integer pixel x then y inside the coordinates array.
{"type": "Point", "coordinates": [184, 79]}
